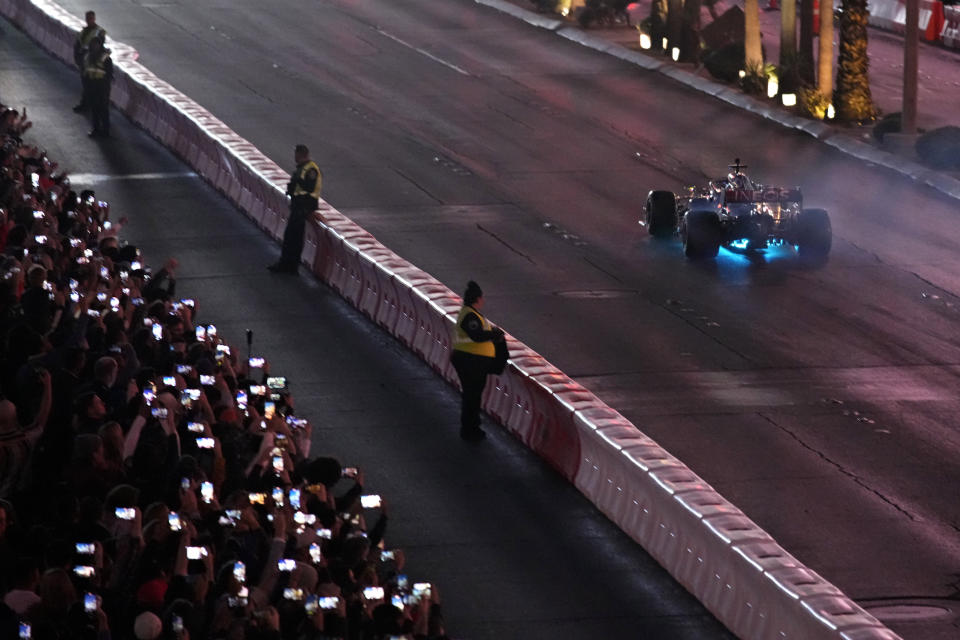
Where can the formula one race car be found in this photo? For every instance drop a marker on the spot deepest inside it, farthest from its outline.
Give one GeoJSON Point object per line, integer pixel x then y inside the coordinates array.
{"type": "Point", "coordinates": [740, 215]}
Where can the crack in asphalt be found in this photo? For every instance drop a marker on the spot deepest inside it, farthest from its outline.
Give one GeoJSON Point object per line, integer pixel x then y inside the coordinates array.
{"type": "Point", "coordinates": [857, 479]}
{"type": "Point", "coordinates": [257, 93]}
{"type": "Point", "coordinates": [505, 243]}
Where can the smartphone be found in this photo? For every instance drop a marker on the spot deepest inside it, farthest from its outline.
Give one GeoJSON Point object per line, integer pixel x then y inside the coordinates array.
{"type": "Point", "coordinates": [205, 443]}
{"type": "Point", "coordinates": [40, 239]}
{"type": "Point", "coordinates": [370, 502]}
{"type": "Point", "coordinates": [269, 410]}
{"type": "Point", "coordinates": [350, 472]}
{"type": "Point", "coordinates": [304, 518]}
{"type": "Point", "coordinates": [136, 265]}
{"type": "Point", "coordinates": [185, 484]}
{"type": "Point", "coordinates": [201, 333]}
{"type": "Point", "coordinates": [328, 602]}
{"type": "Point", "coordinates": [176, 623]}
{"type": "Point", "coordinates": [150, 394]}
{"type": "Point", "coordinates": [85, 548]}
{"type": "Point", "coordinates": [257, 498]}
{"type": "Point", "coordinates": [159, 412]}
{"type": "Point", "coordinates": [90, 603]}
{"type": "Point", "coordinates": [276, 382]}
{"type": "Point", "coordinates": [74, 297]}
{"type": "Point", "coordinates": [294, 496]}
{"type": "Point", "coordinates": [421, 589]}
{"type": "Point", "coordinates": [184, 369]}
{"type": "Point", "coordinates": [286, 564]}
{"type": "Point", "coordinates": [242, 399]}
{"type": "Point", "coordinates": [258, 390]}
{"type": "Point", "coordinates": [26, 631]}
{"type": "Point", "coordinates": [206, 491]}
{"type": "Point", "coordinates": [256, 362]}
{"type": "Point", "coordinates": [83, 571]}
{"type": "Point", "coordinates": [174, 520]}
{"type": "Point", "coordinates": [325, 534]}
{"type": "Point", "coordinates": [157, 331]}
{"type": "Point", "coordinates": [93, 313]}
{"type": "Point", "coordinates": [397, 600]}
{"type": "Point", "coordinates": [223, 349]}
{"type": "Point", "coordinates": [278, 464]}
{"type": "Point", "coordinates": [208, 381]}
{"type": "Point", "coordinates": [240, 571]}
{"type": "Point", "coordinates": [311, 605]}
{"type": "Point", "coordinates": [373, 593]}
{"type": "Point", "coordinates": [388, 555]}
{"type": "Point", "coordinates": [188, 302]}
{"type": "Point", "coordinates": [278, 496]}
{"type": "Point", "coordinates": [104, 273]}
{"type": "Point", "coordinates": [196, 553]}
{"type": "Point", "coordinates": [169, 381]}
{"type": "Point", "coordinates": [315, 553]}
{"type": "Point", "coordinates": [35, 180]}
{"type": "Point", "coordinates": [293, 594]}
{"type": "Point", "coordinates": [125, 513]}
{"type": "Point", "coordinates": [211, 330]}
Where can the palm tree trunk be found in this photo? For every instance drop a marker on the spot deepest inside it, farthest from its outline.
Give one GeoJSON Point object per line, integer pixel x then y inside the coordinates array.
{"type": "Point", "coordinates": [690, 49]}
{"type": "Point", "coordinates": [806, 41]}
{"type": "Point", "coordinates": [789, 78]}
{"type": "Point", "coordinates": [674, 23]}
{"type": "Point", "coordinates": [825, 52]}
{"type": "Point", "coordinates": [753, 50]}
{"type": "Point", "coordinates": [853, 99]}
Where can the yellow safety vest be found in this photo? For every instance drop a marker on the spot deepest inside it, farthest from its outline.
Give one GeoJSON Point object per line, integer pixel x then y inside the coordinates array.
{"type": "Point", "coordinates": [462, 342]}
{"type": "Point", "coordinates": [301, 172]}
{"type": "Point", "coordinates": [96, 69]}
{"type": "Point", "coordinates": [87, 34]}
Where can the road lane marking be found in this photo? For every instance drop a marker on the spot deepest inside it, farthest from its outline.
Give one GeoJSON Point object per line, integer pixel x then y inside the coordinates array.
{"type": "Point", "coordinates": [422, 52]}
{"type": "Point", "coordinates": [97, 178]}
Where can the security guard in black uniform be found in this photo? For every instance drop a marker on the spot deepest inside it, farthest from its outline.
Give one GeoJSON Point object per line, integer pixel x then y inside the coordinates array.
{"type": "Point", "coordinates": [473, 356]}
{"type": "Point", "coordinates": [80, 47]}
{"type": "Point", "coordinates": [98, 72]}
{"type": "Point", "coordinates": [304, 192]}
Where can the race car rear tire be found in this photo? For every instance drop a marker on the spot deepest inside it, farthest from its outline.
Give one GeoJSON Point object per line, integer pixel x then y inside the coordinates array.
{"type": "Point", "coordinates": [815, 235]}
{"type": "Point", "coordinates": [661, 212]}
{"type": "Point", "coordinates": [701, 235]}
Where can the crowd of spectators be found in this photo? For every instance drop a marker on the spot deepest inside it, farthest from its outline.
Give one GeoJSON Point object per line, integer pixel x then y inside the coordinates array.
{"type": "Point", "coordinates": [157, 482]}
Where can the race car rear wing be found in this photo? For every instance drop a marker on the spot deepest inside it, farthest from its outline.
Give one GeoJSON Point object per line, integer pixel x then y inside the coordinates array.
{"type": "Point", "coordinates": [766, 194]}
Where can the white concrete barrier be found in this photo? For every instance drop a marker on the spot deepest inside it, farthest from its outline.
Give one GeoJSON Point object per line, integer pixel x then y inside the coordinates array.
{"type": "Point", "coordinates": [730, 564]}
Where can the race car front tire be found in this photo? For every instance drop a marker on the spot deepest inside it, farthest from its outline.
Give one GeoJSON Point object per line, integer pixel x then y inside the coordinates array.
{"type": "Point", "coordinates": [701, 235]}
{"type": "Point", "coordinates": [815, 235]}
{"type": "Point", "coordinates": [661, 211]}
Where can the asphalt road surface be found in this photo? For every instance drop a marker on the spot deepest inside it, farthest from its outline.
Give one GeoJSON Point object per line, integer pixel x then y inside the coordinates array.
{"type": "Point", "coordinates": [515, 551]}
{"type": "Point", "coordinates": [822, 401]}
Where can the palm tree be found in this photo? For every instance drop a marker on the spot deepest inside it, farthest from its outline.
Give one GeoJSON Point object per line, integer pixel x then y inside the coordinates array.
{"type": "Point", "coordinates": [853, 100]}
{"type": "Point", "coordinates": [825, 53]}
{"type": "Point", "coordinates": [690, 48]}
{"type": "Point", "coordinates": [674, 23]}
{"type": "Point", "coordinates": [788, 45]}
{"type": "Point", "coordinates": [753, 50]}
{"type": "Point", "coordinates": [805, 54]}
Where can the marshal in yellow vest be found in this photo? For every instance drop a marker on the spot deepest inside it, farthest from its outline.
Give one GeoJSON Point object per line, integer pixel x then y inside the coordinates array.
{"type": "Point", "coordinates": [462, 342]}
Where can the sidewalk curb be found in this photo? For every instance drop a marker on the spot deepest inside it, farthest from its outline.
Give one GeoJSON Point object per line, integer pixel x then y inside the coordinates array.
{"type": "Point", "coordinates": [829, 135]}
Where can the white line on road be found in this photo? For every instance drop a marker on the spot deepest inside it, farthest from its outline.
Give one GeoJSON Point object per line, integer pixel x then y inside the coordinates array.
{"type": "Point", "coordinates": [421, 51]}
{"type": "Point", "coordinates": [97, 178]}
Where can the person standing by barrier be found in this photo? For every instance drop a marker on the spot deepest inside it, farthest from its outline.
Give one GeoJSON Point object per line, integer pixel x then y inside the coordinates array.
{"type": "Point", "coordinates": [98, 70]}
{"type": "Point", "coordinates": [80, 47]}
{"type": "Point", "coordinates": [474, 356]}
{"type": "Point", "coordinates": [304, 193]}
